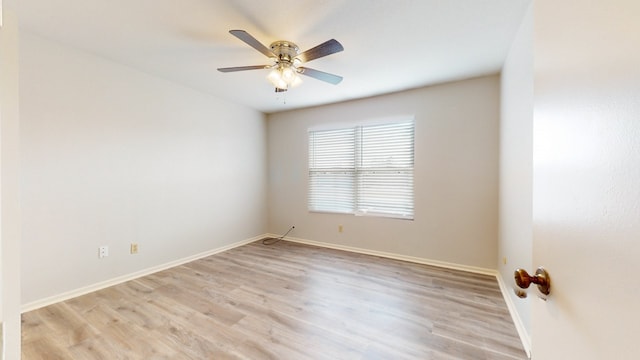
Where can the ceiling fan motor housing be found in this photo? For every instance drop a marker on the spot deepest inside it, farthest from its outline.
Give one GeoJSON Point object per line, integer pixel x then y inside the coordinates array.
{"type": "Point", "coordinates": [284, 50]}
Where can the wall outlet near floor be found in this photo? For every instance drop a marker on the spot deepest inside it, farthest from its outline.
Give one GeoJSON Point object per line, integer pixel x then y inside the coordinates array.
{"type": "Point", "coordinates": [103, 251]}
{"type": "Point", "coordinates": [134, 248]}
{"type": "Point", "coordinates": [340, 228]}
{"type": "Point", "coordinates": [504, 260]}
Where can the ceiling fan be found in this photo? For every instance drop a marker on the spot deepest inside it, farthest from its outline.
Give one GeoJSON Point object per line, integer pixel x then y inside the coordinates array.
{"type": "Point", "coordinates": [286, 60]}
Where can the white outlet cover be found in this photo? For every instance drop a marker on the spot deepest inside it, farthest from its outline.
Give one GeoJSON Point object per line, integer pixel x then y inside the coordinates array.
{"type": "Point", "coordinates": [103, 251]}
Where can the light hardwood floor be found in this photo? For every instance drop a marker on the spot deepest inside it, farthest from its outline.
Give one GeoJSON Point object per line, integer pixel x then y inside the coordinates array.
{"type": "Point", "coordinates": [284, 301]}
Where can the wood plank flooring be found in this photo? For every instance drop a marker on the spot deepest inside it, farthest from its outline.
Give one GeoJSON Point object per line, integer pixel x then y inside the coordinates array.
{"type": "Point", "coordinates": [284, 301]}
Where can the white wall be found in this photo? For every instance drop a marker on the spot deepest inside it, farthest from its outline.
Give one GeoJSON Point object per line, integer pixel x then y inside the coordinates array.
{"type": "Point", "coordinates": [9, 187]}
{"type": "Point", "coordinates": [456, 175]}
{"type": "Point", "coordinates": [516, 166]}
{"type": "Point", "coordinates": [113, 156]}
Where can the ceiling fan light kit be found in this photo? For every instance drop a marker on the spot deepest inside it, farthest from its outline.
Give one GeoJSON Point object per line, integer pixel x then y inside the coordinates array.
{"type": "Point", "coordinates": [284, 76]}
{"type": "Point", "coordinates": [286, 60]}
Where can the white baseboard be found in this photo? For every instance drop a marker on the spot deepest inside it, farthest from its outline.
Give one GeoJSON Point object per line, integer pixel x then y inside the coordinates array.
{"type": "Point", "coordinates": [522, 332]}
{"type": "Point", "coordinates": [118, 280]}
{"type": "Point", "coordinates": [443, 264]}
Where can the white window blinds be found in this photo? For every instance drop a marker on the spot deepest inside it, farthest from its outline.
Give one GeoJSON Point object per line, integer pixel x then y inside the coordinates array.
{"type": "Point", "coordinates": [363, 170]}
{"type": "Point", "coordinates": [332, 170]}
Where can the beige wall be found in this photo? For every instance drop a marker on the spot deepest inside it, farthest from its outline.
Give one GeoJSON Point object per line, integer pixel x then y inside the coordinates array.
{"type": "Point", "coordinates": [516, 167]}
{"type": "Point", "coordinates": [456, 174]}
{"type": "Point", "coordinates": [113, 156]}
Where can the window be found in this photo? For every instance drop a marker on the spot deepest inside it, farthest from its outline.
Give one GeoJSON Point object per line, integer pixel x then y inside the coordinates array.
{"type": "Point", "coordinates": [363, 170]}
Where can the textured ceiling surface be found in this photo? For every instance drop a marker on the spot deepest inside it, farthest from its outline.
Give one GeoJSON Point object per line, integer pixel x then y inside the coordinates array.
{"type": "Point", "coordinates": [390, 45]}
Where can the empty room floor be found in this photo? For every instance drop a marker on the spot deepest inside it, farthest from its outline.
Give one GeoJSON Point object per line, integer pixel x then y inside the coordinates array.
{"type": "Point", "coordinates": [284, 301]}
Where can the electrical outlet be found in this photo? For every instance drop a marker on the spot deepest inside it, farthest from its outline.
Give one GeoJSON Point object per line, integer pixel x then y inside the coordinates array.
{"type": "Point", "coordinates": [340, 228]}
{"type": "Point", "coordinates": [504, 260]}
{"type": "Point", "coordinates": [134, 248]}
{"type": "Point", "coordinates": [103, 251]}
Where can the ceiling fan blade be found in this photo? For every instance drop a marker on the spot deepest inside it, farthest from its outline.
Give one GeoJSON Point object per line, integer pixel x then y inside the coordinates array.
{"type": "Point", "coordinates": [242, 68]}
{"type": "Point", "coordinates": [320, 75]}
{"type": "Point", "coordinates": [326, 48]}
{"type": "Point", "coordinates": [251, 41]}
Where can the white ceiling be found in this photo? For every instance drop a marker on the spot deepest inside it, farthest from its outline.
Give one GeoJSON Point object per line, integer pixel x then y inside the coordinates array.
{"type": "Point", "coordinates": [390, 45]}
